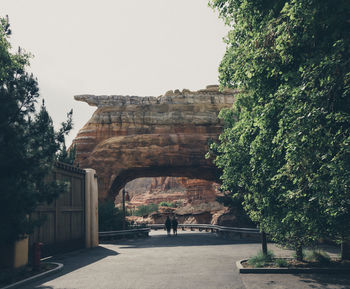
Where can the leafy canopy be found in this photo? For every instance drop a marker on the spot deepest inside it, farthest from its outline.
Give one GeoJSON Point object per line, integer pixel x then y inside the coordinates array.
{"type": "Point", "coordinates": [286, 145]}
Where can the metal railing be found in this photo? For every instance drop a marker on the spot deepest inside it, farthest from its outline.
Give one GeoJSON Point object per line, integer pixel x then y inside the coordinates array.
{"type": "Point", "coordinates": [221, 230]}
{"type": "Point", "coordinates": [209, 227]}
{"type": "Point", "coordinates": [124, 233]}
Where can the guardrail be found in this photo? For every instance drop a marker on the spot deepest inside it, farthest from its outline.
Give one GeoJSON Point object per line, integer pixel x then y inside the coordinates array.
{"type": "Point", "coordinates": [226, 232]}
{"type": "Point", "coordinates": [220, 230]}
{"type": "Point", "coordinates": [143, 232]}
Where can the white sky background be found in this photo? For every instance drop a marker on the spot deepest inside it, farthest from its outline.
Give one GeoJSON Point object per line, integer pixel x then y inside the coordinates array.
{"type": "Point", "coordinates": [138, 47]}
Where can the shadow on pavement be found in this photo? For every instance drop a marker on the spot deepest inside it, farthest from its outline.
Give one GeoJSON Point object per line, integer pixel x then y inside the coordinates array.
{"type": "Point", "coordinates": [73, 261]}
{"type": "Point", "coordinates": [326, 280]}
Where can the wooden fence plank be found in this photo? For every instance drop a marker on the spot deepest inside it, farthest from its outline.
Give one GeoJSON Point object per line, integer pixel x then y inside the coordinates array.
{"type": "Point", "coordinates": [64, 227]}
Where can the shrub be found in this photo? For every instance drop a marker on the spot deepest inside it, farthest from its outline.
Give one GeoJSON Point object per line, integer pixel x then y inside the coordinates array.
{"type": "Point", "coordinates": [167, 204]}
{"type": "Point", "coordinates": [110, 218]}
{"type": "Point", "coordinates": [145, 210]}
{"type": "Point", "coordinates": [281, 262]}
{"type": "Point", "coordinates": [318, 256]}
{"type": "Point", "coordinates": [260, 260]}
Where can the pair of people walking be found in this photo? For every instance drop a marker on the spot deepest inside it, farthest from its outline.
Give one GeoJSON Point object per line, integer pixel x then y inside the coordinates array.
{"type": "Point", "coordinates": [171, 224]}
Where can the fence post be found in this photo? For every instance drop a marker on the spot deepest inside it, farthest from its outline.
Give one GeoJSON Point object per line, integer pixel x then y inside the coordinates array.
{"type": "Point", "coordinates": [91, 209]}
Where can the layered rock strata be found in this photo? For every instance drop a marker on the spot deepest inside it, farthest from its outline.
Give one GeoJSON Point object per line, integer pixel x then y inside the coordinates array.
{"type": "Point", "coordinates": [130, 137]}
{"type": "Point", "coordinates": [194, 199]}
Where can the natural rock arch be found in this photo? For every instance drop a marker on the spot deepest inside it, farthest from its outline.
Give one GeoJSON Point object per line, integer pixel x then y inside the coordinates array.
{"type": "Point", "coordinates": [130, 137]}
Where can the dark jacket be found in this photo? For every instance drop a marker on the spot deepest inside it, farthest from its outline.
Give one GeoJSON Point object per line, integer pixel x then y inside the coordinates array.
{"type": "Point", "coordinates": [174, 223]}
{"type": "Point", "coordinates": [168, 223]}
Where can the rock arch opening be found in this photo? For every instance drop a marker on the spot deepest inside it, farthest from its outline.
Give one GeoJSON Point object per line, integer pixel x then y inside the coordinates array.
{"type": "Point", "coordinates": [124, 177]}
{"type": "Point", "coordinates": [130, 137]}
{"type": "Point", "coordinates": [151, 200]}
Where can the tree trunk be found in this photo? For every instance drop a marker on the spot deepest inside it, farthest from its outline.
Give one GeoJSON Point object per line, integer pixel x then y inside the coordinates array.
{"type": "Point", "coordinates": [299, 252]}
{"type": "Point", "coordinates": [264, 243]}
{"type": "Point", "coordinates": [345, 250]}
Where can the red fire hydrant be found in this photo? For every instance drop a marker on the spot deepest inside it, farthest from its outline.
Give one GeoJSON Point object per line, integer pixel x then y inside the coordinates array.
{"type": "Point", "coordinates": [36, 256]}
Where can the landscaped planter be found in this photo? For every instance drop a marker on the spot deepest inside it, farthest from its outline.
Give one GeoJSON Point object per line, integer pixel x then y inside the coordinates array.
{"type": "Point", "coordinates": [288, 270]}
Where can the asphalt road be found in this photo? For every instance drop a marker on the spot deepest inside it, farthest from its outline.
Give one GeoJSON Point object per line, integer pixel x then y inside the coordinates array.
{"type": "Point", "coordinates": [189, 260]}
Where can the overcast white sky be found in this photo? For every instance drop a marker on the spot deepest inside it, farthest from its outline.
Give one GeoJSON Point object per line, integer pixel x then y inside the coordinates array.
{"type": "Point", "coordinates": [122, 47]}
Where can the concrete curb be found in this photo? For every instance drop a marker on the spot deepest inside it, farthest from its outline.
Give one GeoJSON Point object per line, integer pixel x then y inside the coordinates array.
{"type": "Point", "coordinates": [35, 277]}
{"type": "Point", "coordinates": [243, 270]}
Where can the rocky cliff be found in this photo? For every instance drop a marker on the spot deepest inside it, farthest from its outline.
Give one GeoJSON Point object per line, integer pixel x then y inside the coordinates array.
{"type": "Point", "coordinates": [130, 137]}
{"type": "Point", "coordinates": [195, 199]}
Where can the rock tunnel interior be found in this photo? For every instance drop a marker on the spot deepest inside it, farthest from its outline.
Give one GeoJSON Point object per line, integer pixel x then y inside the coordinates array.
{"type": "Point", "coordinates": [198, 204]}
{"type": "Point", "coordinates": [205, 173]}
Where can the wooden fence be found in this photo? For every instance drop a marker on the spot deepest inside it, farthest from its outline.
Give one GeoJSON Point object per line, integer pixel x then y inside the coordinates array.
{"type": "Point", "coordinates": [64, 226]}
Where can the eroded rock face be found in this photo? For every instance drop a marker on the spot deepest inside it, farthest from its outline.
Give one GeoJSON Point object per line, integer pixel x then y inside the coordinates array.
{"type": "Point", "coordinates": [130, 137]}
{"type": "Point", "coordinates": [195, 199]}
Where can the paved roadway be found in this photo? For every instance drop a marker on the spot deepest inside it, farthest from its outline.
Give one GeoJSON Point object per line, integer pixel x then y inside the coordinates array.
{"type": "Point", "coordinates": [190, 260]}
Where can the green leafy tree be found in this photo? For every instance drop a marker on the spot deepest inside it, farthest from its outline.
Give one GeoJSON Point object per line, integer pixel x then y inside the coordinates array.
{"type": "Point", "coordinates": [286, 147]}
{"type": "Point", "coordinates": [109, 217]}
{"type": "Point", "coordinates": [28, 143]}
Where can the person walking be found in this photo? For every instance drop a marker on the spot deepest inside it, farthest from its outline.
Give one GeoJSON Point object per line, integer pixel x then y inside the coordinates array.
{"type": "Point", "coordinates": [168, 225]}
{"type": "Point", "coordinates": [174, 224]}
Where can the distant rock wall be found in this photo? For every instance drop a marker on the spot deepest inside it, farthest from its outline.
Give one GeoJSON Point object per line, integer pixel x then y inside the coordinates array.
{"type": "Point", "coordinates": [195, 199]}
{"type": "Point", "coordinates": [130, 137]}
{"type": "Point", "coordinates": [171, 189]}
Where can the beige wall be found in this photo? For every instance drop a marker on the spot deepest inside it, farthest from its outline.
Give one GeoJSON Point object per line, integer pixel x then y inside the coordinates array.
{"type": "Point", "coordinates": [14, 255]}
{"type": "Point", "coordinates": [21, 253]}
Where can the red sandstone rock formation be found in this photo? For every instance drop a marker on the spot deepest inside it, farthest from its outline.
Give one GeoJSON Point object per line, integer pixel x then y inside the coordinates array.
{"type": "Point", "coordinates": [130, 137]}
{"type": "Point", "coordinates": [199, 191]}
{"type": "Point", "coordinates": [195, 199]}
{"type": "Point", "coordinates": [156, 198]}
{"type": "Point", "coordinates": [166, 184]}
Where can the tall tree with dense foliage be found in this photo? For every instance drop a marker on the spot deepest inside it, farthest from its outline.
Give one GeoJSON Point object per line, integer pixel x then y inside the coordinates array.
{"type": "Point", "coordinates": [28, 143]}
{"type": "Point", "coordinates": [67, 156]}
{"type": "Point", "coordinates": [286, 147]}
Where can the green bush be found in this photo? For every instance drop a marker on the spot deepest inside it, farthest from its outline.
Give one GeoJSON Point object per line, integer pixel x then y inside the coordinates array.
{"type": "Point", "coordinates": [318, 256]}
{"type": "Point", "coordinates": [145, 210]}
{"type": "Point", "coordinates": [281, 262]}
{"type": "Point", "coordinates": [167, 204]}
{"type": "Point", "coordinates": [110, 218]}
{"type": "Point", "coordinates": [260, 260]}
